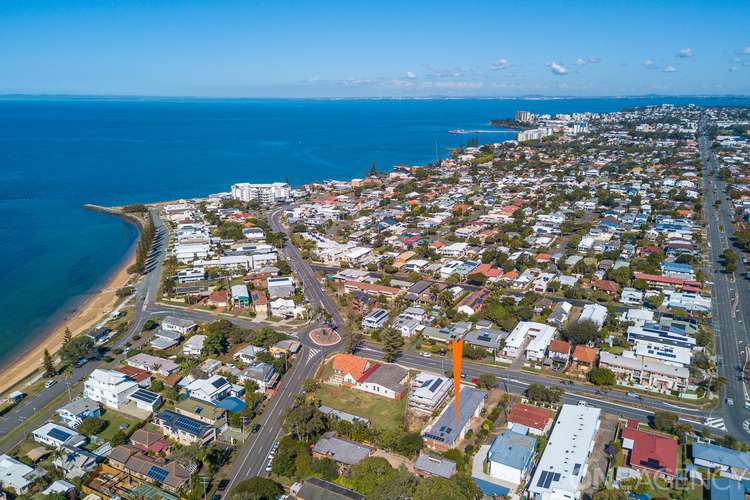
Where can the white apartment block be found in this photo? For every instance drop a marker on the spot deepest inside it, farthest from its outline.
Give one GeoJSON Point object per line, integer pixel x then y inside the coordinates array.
{"type": "Point", "coordinates": [109, 387]}
{"type": "Point", "coordinates": [266, 194]}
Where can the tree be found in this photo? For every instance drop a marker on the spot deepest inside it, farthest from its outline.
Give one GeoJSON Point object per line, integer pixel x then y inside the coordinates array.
{"type": "Point", "coordinates": [309, 385]}
{"type": "Point", "coordinates": [664, 421]}
{"type": "Point", "coordinates": [410, 443]}
{"type": "Point", "coordinates": [582, 332]}
{"type": "Point", "coordinates": [370, 475]}
{"type": "Point", "coordinates": [256, 488]}
{"type": "Point", "coordinates": [92, 426]}
{"type": "Point", "coordinates": [540, 393]}
{"type": "Point", "coordinates": [602, 376]}
{"type": "Point", "coordinates": [67, 336]}
{"type": "Point", "coordinates": [49, 365]}
{"type": "Point", "coordinates": [305, 421]}
{"type": "Point", "coordinates": [436, 487]}
{"type": "Point", "coordinates": [215, 343]}
{"type": "Point", "coordinates": [352, 339]}
{"type": "Point", "coordinates": [392, 343]}
{"type": "Point", "coordinates": [487, 381]}
{"type": "Point", "coordinates": [325, 468]}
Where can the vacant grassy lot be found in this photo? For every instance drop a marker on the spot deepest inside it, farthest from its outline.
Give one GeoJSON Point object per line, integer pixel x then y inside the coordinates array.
{"type": "Point", "coordinates": [382, 412]}
{"type": "Point", "coordinates": [115, 420]}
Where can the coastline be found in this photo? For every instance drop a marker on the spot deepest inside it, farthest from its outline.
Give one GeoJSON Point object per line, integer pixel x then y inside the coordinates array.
{"type": "Point", "coordinates": [99, 301]}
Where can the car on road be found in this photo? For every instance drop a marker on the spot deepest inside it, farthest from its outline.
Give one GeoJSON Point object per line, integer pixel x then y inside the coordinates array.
{"type": "Point", "coordinates": [81, 362]}
{"type": "Point", "coordinates": [223, 485]}
{"type": "Point", "coordinates": [730, 402]}
{"type": "Point", "coordinates": [425, 354]}
{"type": "Point", "coordinates": [582, 403]}
{"type": "Point", "coordinates": [255, 428]}
{"type": "Point", "coordinates": [633, 395]}
{"type": "Point", "coordinates": [50, 383]}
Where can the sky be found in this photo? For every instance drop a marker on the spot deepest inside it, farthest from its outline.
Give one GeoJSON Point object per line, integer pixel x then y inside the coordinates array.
{"type": "Point", "coordinates": [256, 48]}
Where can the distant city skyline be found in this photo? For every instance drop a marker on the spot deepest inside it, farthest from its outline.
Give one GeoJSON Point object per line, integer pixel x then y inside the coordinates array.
{"type": "Point", "coordinates": [384, 49]}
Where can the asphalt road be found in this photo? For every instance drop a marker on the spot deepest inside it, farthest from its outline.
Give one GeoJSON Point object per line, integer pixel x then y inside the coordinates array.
{"type": "Point", "coordinates": [731, 296]}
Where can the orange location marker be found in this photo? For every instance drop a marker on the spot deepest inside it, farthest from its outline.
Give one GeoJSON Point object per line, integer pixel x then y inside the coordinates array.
{"type": "Point", "coordinates": [457, 352]}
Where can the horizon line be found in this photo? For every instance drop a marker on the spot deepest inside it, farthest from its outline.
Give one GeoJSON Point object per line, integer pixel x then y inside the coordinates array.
{"type": "Point", "coordinates": [522, 97]}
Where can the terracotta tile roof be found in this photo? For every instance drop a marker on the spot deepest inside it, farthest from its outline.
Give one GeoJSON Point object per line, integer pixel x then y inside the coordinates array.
{"type": "Point", "coordinates": [134, 373]}
{"type": "Point", "coordinates": [530, 416]}
{"type": "Point", "coordinates": [605, 285]}
{"type": "Point", "coordinates": [350, 364]}
{"type": "Point", "coordinates": [560, 346]}
{"type": "Point", "coordinates": [585, 354]}
{"type": "Point", "coordinates": [669, 280]}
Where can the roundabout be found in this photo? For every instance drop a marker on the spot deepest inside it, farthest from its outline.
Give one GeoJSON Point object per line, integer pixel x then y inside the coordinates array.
{"type": "Point", "coordinates": [324, 336]}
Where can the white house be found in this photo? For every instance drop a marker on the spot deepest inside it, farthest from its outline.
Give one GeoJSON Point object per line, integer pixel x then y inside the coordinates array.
{"type": "Point", "coordinates": [56, 436]}
{"type": "Point", "coordinates": [179, 325]}
{"type": "Point", "coordinates": [510, 456]}
{"type": "Point", "coordinates": [17, 475]}
{"type": "Point", "coordinates": [595, 313]}
{"type": "Point", "coordinates": [428, 392]}
{"type": "Point", "coordinates": [631, 296]}
{"type": "Point", "coordinates": [153, 364]}
{"type": "Point", "coordinates": [377, 318]}
{"type": "Point", "coordinates": [194, 346]}
{"type": "Point", "coordinates": [210, 389]}
{"type": "Point", "coordinates": [109, 387]}
{"type": "Point", "coordinates": [248, 354]}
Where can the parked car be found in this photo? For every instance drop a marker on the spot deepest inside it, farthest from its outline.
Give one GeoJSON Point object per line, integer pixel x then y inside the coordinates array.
{"type": "Point", "coordinates": [223, 485]}
{"type": "Point", "coordinates": [50, 383]}
{"type": "Point", "coordinates": [255, 428]}
{"type": "Point", "coordinates": [425, 354]}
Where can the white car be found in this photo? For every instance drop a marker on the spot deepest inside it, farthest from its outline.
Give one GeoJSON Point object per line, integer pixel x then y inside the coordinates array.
{"type": "Point", "coordinates": [730, 402]}
{"type": "Point", "coordinates": [425, 354]}
{"type": "Point", "coordinates": [50, 383]}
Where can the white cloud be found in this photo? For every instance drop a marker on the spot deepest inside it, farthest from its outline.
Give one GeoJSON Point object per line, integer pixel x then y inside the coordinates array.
{"type": "Point", "coordinates": [685, 53]}
{"type": "Point", "coordinates": [558, 68]}
{"type": "Point", "coordinates": [649, 63]}
{"type": "Point", "coordinates": [594, 60]}
{"type": "Point", "coordinates": [669, 69]}
{"type": "Point", "coordinates": [745, 51]}
{"type": "Point", "coordinates": [581, 62]}
{"type": "Point", "coordinates": [500, 64]}
{"type": "Point", "coordinates": [732, 69]}
{"type": "Point", "coordinates": [411, 75]}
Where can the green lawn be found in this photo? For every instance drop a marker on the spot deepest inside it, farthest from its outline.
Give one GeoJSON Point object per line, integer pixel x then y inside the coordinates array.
{"type": "Point", "coordinates": [382, 412]}
{"type": "Point", "coordinates": [115, 421]}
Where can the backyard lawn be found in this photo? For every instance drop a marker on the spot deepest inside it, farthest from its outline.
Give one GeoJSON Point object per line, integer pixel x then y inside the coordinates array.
{"type": "Point", "coordinates": [115, 420]}
{"type": "Point", "coordinates": [382, 412]}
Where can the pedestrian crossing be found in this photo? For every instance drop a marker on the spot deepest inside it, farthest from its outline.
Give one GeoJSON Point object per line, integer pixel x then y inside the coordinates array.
{"type": "Point", "coordinates": [313, 352]}
{"type": "Point", "coordinates": [716, 423]}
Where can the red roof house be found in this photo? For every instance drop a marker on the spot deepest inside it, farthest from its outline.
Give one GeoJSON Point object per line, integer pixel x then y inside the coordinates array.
{"type": "Point", "coordinates": [535, 418]}
{"type": "Point", "coordinates": [651, 453]}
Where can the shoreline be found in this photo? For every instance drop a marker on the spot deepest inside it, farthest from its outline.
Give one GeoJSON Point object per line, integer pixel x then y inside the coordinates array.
{"type": "Point", "coordinates": [87, 312]}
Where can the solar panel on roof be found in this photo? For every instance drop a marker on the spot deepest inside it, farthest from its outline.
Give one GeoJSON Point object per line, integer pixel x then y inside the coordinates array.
{"type": "Point", "coordinates": [218, 382]}
{"type": "Point", "coordinates": [145, 396]}
{"type": "Point", "coordinates": [157, 473]}
{"type": "Point", "coordinates": [542, 479]}
{"type": "Point", "coordinates": [59, 434]}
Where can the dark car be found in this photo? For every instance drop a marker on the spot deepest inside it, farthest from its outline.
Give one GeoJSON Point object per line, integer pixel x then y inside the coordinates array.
{"type": "Point", "coordinates": [255, 428]}
{"type": "Point", "coordinates": [223, 485]}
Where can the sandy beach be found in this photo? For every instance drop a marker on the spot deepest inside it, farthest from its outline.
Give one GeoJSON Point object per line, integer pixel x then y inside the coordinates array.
{"type": "Point", "coordinates": [88, 314]}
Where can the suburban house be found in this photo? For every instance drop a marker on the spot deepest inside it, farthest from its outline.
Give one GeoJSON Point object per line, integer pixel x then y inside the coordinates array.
{"type": "Point", "coordinates": [78, 410]}
{"type": "Point", "coordinates": [240, 296]}
{"type": "Point", "coordinates": [168, 475]}
{"type": "Point", "coordinates": [212, 389]}
{"type": "Point", "coordinates": [532, 418]}
{"type": "Point", "coordinates": [387, 380]}
{"type": "Point", "coordinates": [654, 454]}
{"type": "Point", "coordinates": [510, 456]}
{"type": "Point", "coordinates": [428, 392]}
{"type": "Point", "coordinates": [428, 465]}
{"type": "Point", "coordinates": [247, 354]}
{"type": "Point", "coordinates": [153, 364]}
{"type": "Point", "coordinates": [558, 352]}
{"type": "Point", "coordinates": [280, 287]}
{"type": "Point", "coordinates": [57, 436]}
{"type": "Point", "coordinates": [194, 346]}
{"type": "Point", "coordinates": [584, 359]}
{"type": "Point", "coordinates": [179, 325]}
{"type": "Point", "coordinates": [18, 476]}
{"type": "Point", "coordinates": [377, 318]}
{"type": "Point", "coordinates": [202, 411]}
{"type": "Point", "coordinates": [184, 430]}
{"type": "Point", "coordinates": [340, 450]}
{"type": "Point", "coordinates": [720, 459]}
{"type": "Point", "coordinates": [538, 336]}
{"type": "Point", "coordinates": [165, 339]}
{"type": "Point", "coordinates": [443, 434]}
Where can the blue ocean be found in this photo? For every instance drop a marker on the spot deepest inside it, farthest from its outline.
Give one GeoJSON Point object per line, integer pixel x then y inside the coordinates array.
{"type": "Point", "coordinates": [58, 154]}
